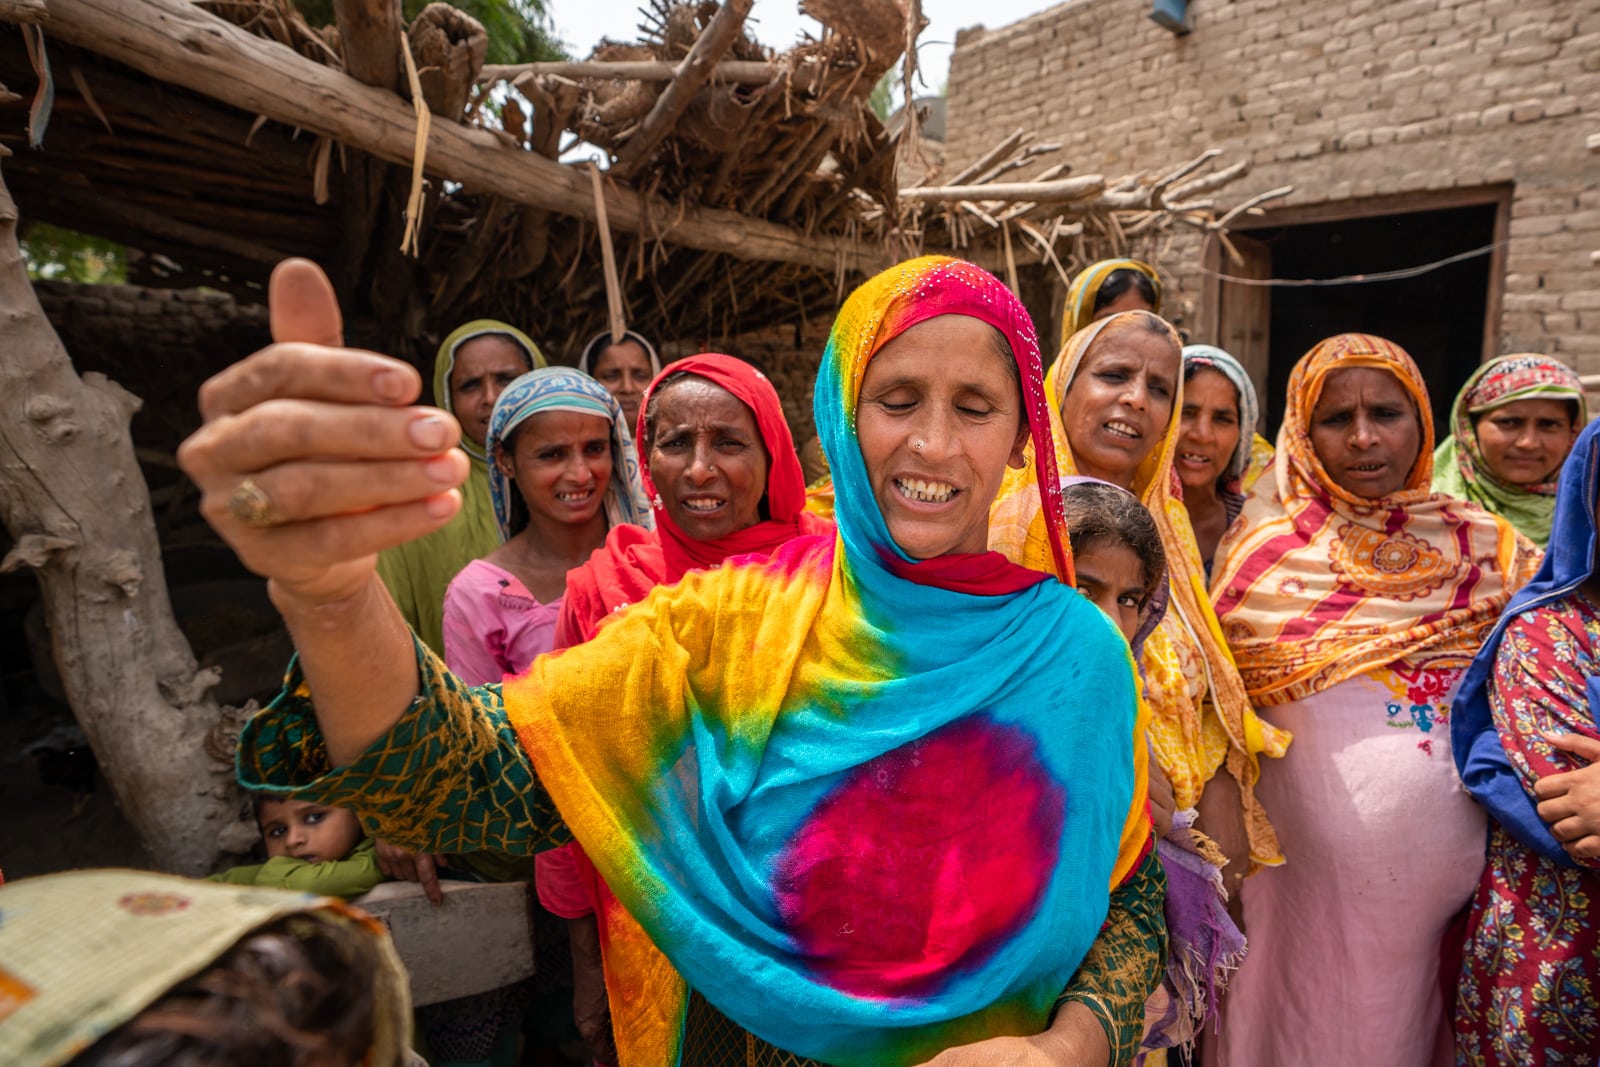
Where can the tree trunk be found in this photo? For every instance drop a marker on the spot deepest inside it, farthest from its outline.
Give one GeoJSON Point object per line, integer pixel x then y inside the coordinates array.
{"type": "Point", "coordinates": [73, 499]}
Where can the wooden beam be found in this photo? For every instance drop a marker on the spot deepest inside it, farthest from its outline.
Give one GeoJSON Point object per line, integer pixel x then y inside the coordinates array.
{"type": "Point", "coordinates": [177, 41]}
{"type": "Point", "coordinates": [692, 75]}
{"type": "Point", "coordinates": [369, 30]}
{"type": "Point", "coordinates": [30, 11]}
{"type": "Point", "coordinates": [1082, 188]}
{"type": "Point", "coordinates": [729, 71]}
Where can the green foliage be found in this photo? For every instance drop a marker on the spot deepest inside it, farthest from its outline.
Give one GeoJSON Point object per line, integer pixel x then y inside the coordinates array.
{"type": "Point", "coordinates": [519, 30]}
{"type": "Point", "coordinates": [64, 255]}
{"type": "Point", "coordinates": [884, 99]}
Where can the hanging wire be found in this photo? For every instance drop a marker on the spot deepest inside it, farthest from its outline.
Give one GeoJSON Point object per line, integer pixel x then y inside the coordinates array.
{"type": "Point", "coordinates": [1357, 279]}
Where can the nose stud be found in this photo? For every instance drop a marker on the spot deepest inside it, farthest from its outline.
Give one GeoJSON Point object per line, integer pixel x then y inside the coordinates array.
{"type": "Point", "coordinates": [917, 444]}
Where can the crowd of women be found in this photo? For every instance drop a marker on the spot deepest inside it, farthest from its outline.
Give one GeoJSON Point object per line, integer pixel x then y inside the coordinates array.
{"type": "Point", "coordinates": [1306, 774]}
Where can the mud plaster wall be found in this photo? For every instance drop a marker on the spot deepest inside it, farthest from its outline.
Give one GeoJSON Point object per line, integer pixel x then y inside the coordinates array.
{"type": "Point", "coordinates": [1346, 101]}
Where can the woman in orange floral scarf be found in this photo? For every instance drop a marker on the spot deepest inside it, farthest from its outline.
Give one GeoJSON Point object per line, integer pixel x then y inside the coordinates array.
{"type": "Point", "coordinates": [1353, 598]}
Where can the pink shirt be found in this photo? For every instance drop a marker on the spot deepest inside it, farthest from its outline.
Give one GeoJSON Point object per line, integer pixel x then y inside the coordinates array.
{"type": "Point", "coordinates": [493, 627]}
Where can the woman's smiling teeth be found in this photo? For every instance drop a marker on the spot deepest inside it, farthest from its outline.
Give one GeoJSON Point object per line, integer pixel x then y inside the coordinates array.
{"type": "Point", "coordinates": [926, 492]}
{"type": "Point", "coordinates": [703, 504]}
{"type": "Point", "coordinates": [577, 496]}
{"type": "Point", "coordinates": [1123, 429]}
{"type": "Point", "coordinates": [1194, 457]}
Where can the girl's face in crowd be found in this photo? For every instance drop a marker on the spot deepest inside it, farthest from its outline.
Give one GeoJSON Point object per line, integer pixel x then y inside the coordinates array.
{"type": "Point", "coordinates": [308, 831]}
{"type": "Point", "coordinates": [1112, 575]}
{"type": "Point", "coordinates": [483, 367]}
{"type": "Point", "coordinates": [1208, 430]}
{"type": "Point", "coordinates": [707, 458]}
{"type": "Point", "coordinates": [939, 419]}
{"type": "Point", "coordinates": [625, 371]}
{"type": "Point", "coordinates": [1117, 406]}
{"type": "Point", "coordinates": [1366, 432]}
{"type": "Point", "coordinates": [1526, 441]}
{"type": "Point", "coordinates": [561, 463]}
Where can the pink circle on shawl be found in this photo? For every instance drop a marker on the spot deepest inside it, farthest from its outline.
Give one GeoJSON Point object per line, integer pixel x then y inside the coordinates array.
{"type": "Point", "coordinates": [923, 861]}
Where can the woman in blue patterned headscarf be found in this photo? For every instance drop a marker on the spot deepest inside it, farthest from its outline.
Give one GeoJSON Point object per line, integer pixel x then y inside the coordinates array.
{"type": "Point", "coordinates": [563, 471]}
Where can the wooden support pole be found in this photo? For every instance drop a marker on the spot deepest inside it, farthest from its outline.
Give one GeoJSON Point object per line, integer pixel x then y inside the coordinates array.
{"type": "Point", "coordinates": [692, 75]}
{"type": "Point", "coordinates": [1056, 192]}
{"type": "Point", "coordinates": [180, 42]}
{"type": "Point", "coordinates": [74, 501]}
{"type": "Point", "coordinates": [29, 11]}
{"type": "Point", "coordinates": [369, 30]}
{"type": "Point", "coordinates": [729, 71]}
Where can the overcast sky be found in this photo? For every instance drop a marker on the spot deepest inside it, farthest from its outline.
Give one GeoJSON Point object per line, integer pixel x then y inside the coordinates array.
{"type": "Point", "coordinates": [778, 23]}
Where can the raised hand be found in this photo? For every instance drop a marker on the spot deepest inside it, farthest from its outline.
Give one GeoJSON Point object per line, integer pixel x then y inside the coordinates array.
{"type": "Point", "coordinates": [312, 458]}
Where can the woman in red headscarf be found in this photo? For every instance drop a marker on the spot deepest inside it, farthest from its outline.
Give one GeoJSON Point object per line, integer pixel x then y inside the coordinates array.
{"type": "Point", "coordinates": [720, 468]}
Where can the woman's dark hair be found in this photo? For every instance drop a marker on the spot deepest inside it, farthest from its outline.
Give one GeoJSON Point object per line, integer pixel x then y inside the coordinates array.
{"type": "Point", "coordinates": [1098, 513]}
{"type": "Point", "coordinates": [296, 991]}
{"type": "Point", "coordinates": [1191, 368]}
{"type": "Point", "coordinates": [1002, 348]}
{"type": "Point", "coordinates": [1119, 282]}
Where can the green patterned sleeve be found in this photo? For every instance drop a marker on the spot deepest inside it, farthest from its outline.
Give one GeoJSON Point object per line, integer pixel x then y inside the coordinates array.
{"type": "Point", "coordinates": [1127, 961]}
{"type": "Point", "coordinates": [449, 777]}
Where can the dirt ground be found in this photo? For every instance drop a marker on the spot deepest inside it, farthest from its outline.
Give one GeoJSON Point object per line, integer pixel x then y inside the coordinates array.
{"type": "Point", "coordinates": [45, 828]}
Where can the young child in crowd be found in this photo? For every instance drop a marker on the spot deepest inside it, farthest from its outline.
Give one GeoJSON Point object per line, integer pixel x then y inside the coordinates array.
{"type": "Point", "coordinates": [310, 847]}
{"type": "Point", "coordinates": [1117, 553]}
{"type": "Point", "coordinates": [1121, 566]}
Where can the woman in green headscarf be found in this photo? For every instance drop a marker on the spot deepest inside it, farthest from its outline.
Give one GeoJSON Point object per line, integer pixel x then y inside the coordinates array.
{"type": "Point", "coordinates": [475, 363]}
{"type": "Point", "coordinates": [1513, 424]}
{"type": "Point", "coordinates": [1107, 287]}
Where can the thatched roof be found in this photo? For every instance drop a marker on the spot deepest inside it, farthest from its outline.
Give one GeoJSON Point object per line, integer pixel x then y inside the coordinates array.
{"type": "Point", "coordinates": [746, 189]}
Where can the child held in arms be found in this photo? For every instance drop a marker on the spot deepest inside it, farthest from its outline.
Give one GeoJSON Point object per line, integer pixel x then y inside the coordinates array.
{"type": "Point", "coordinates": [311, 848]}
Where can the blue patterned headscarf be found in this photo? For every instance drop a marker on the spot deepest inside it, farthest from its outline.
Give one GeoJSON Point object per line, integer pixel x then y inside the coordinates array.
{"type": "Point", "coordinates": [565, 389]}
{"type": "Point", "coordinates": [1568, 562]}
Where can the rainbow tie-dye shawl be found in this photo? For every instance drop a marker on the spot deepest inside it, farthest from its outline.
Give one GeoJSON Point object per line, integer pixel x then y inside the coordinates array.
{"type": "Point", "coordinates": [870, 808]}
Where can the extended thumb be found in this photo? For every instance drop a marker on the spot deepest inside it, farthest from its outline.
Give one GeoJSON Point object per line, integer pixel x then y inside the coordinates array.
{"type": "Point", "coordinates": [302, 305]}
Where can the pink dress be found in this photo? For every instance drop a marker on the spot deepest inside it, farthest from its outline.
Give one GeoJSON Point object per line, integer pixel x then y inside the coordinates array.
{"type": "Point", "coordinates": [492, 625]}
{"type": "Point", "coordinates": [1382, 848]}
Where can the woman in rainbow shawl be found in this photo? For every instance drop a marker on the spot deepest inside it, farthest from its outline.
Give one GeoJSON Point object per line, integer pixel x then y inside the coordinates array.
{"type": "Point", "coordinates": [1513, 423]}
{"type": "Point", "coordinates": [871, 797]}
{"type": "Point", "coordinates": [1526, 737]}
{"type": "Point", "coordinates": [1353, 598]}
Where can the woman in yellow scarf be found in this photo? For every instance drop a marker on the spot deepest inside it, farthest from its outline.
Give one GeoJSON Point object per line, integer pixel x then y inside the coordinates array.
{"type": "Point", "coordinates": [1107, 287]}
{"type": "Point", "coordinates": [1116, 393]}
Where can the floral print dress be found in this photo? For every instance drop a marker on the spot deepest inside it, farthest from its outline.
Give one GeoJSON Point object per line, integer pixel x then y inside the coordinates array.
{"type": "Point", "coordinates": [1530, 983]}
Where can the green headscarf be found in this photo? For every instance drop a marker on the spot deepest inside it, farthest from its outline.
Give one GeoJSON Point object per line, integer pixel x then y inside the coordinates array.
{"type": "Point", "coordinates": [418, 573]}
{"type": "Point", "coordinates": [1459, 468]}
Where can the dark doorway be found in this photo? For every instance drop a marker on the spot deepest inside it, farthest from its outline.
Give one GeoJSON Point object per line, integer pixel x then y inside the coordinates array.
{"type": "Point", "coordinates": [1437, 316]}
{"type": "Point", "coordinates": [1440, 317]}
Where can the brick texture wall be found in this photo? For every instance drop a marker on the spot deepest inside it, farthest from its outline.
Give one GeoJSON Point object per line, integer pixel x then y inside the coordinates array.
{"type": "Point", "coordinates": [1346, 101]}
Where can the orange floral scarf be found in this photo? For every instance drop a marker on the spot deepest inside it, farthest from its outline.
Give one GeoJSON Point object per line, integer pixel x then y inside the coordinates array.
{"type": "Point", "coordinates": [1316, 585]}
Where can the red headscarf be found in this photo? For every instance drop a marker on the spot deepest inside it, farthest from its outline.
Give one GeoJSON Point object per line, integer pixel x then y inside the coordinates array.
{"type": "Point", "coordinates": [634, 560]}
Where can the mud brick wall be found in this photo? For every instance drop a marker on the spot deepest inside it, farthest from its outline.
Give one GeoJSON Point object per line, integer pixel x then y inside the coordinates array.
{"type": "Point", "coordinates": [1347, 101]}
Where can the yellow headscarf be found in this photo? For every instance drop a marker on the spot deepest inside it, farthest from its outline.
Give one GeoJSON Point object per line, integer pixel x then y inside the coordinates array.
{"type": "Point", "coordinates": [1201, 717]}
{"type": "Point", "coordinates": [1085, 288]}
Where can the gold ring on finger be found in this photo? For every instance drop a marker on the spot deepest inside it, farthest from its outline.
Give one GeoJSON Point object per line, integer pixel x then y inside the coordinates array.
{"type": "Point", "coordinates": [250, 504]}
